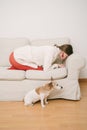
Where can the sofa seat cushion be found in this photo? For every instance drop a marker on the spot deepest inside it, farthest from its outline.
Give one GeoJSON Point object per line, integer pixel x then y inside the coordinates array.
{"type": "Point", "coordinates": [42, 75]}
{"type": "Point", "coordinates": [6, 74]}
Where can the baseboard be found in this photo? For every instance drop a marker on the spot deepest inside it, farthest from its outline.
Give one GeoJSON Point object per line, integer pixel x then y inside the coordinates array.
{"type": "Point", "coordinates": [83, 74]}
{"type": "Point", "coordinates": [83, 80]}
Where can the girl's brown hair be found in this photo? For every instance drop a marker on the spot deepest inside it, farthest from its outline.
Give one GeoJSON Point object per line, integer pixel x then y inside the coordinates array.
{"type": "Point", "coordinates": [67, 48]}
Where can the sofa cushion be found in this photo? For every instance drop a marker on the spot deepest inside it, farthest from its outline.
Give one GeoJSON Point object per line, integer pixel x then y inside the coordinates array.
{"type": "Point", "coordinates": [42, 75]}
{"type": "Point", "coordinates": [6, 74]}
{"type": "Point", "coordinates": [7, 45]}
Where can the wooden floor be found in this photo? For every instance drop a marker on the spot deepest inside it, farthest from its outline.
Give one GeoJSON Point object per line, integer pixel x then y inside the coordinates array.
{"type": "Point", "coordinates": [57, 115]}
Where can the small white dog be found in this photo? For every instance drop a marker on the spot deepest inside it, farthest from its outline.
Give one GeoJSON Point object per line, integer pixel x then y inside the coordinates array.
{"type": "Point", "coordinates": [41, 93]}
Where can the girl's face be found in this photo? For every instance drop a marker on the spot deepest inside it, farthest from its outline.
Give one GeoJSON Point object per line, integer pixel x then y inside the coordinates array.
{"type": "Point", "coordinates": [63, 55]}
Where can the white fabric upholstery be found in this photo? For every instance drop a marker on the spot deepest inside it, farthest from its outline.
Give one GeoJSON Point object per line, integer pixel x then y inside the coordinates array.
{"type": "Point", "coordinates": [42, 75]}
{"type": "Point", "coordinates": [6, 74]}
{"type": "Point", "coordinates": [71, 90]}
{"type": "Point", "coordinates": [74, 64]}
{"type": "Point", "coordinates": [58, 41]}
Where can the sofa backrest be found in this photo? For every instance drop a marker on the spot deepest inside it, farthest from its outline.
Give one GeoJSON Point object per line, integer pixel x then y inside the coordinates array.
{"type": "Point", "coordinates": [7, 45]}
{"type": "Point", "coordinates": [58, 41]}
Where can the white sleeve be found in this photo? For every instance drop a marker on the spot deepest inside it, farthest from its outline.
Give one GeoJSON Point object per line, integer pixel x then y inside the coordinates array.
{"type": "Point", "coordinates": [48, 59]}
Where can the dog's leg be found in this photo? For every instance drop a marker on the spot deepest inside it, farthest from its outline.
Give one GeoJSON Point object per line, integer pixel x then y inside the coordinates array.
{"type": "Point", "coordinates": [27, 103]}
{"type": "Point", "coordinates": [42, 100]}
{"type": "Point", "coordinates": [45, 100]}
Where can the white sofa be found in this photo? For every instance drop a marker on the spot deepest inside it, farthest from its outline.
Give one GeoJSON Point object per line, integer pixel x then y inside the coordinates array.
{"type": "Point", "coordinates": [14, 84]}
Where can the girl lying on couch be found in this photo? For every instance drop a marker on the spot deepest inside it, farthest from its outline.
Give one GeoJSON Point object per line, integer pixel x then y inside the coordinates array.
{"type": "Point", "coordinates": [39, 57]}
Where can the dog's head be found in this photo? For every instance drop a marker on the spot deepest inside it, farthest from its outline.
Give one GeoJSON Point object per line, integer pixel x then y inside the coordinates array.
{"type": "Point", "coordinates": [53, 85]}
{"type": "Point", "coordinates": [56, 85]}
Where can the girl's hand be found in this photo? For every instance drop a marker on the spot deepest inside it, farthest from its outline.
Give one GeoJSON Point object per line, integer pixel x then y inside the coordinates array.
{"type": "Point", "coordinates": [61, 65]}
{"type": "Point", "coordinates": [55, 66]}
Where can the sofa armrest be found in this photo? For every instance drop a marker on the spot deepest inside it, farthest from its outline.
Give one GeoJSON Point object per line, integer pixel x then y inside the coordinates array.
{"type": "Point", "coordinates": [74, 64]}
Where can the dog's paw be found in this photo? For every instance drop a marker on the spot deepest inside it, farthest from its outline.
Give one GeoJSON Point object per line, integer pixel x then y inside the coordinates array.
{"type": "Point", "coordinates": [43, 106]}
{"type": "Point", "coordinates": [27, 104]}
{"type": "Point", "coordinates": [46, 102]}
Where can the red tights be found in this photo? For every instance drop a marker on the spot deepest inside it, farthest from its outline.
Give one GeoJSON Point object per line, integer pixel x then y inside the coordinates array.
{"type": "Point", "coordinates": [17, 66]}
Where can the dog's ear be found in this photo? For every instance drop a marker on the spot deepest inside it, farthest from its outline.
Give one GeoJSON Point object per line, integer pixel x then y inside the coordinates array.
{"type": "Point", "coordinates": [51, 78]}
{"type": "Point", "coordinates": [50, 84]}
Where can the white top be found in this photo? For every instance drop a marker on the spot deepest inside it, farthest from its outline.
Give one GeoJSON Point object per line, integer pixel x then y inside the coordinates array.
{"type": "Point", "coordinates": [35, 56]}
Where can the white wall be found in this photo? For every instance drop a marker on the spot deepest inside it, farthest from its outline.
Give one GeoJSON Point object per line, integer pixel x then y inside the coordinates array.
{"type": "Point", "coordinates": [46, 19]}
